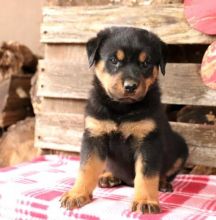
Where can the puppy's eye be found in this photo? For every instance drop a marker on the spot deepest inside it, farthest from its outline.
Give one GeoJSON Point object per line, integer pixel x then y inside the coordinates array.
{"type": "Point", "coordinates": [113, 60]}
{"type": "Point", "coordinates": [145, 64]}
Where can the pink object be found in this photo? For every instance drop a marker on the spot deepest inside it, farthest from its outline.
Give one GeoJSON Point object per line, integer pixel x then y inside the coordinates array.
{"type": "Point", "coordinates": [32, 191]}
{"type": "Point", "coordinates": [201, 15]}
{"type": "Point", "coordinates": [208, 67]}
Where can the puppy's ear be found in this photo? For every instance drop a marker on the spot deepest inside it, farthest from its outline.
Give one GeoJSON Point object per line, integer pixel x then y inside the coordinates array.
{"type": "Point", "coordinates": [93, 45]}
{"type": "Point", "coordinates": [92, 48]}
{"type": "Point", "coordinates": [163, 57]}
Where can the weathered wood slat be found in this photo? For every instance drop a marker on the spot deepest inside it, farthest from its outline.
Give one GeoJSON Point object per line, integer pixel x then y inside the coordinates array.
{"type": "Point", "coordinates": [64, 132]}
{"type": "Point", "coordinates": [59, 131]}
{"type": "Point", "coordinates": [201, 139]}
{"type": "Point", "coordinates": [181, 84]}
{"type": "Point", "coordinates": [78, 24]}
{"type": "Point", "coordinates": [55, 105]}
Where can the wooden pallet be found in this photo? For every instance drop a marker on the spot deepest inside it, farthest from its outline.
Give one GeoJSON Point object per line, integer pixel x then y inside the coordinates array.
{"type": "Point", "coordinates": [64, 78]}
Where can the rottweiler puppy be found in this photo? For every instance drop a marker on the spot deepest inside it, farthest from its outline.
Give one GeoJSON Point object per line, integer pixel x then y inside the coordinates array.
{"type": "Point", "coordinates": [127, 137]}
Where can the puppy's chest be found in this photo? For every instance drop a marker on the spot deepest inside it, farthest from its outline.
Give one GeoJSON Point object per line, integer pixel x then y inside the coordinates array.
{"type": "Point", "coordinates": [136, 129]}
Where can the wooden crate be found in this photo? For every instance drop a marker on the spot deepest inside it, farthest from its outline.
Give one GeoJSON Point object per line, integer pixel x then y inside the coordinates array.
{"type": "Point", "coordinates": [64, 78]}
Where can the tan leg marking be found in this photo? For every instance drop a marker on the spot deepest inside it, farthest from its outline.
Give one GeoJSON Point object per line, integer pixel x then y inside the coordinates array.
{"type": "Point", "coordinates": [99, 127]}
{"type": "Point", "coordinates": [146, 190]}
{"type": "Point", "coordinates": [139, 129]}
{"type": "Point", "coordinates": [81, 192]}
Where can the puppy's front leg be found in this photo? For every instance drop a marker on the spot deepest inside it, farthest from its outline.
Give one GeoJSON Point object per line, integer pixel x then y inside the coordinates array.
{"type": "Point", "coordinates": [146, 190]}
{"type": "Point", "coordinates": [147, 172]}
{"type": "Point", "coordinates": [93, 153]}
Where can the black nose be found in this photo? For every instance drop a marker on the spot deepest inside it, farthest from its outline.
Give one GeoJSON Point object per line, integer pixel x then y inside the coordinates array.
{"type": "Point", "coordinates": [130, 86]}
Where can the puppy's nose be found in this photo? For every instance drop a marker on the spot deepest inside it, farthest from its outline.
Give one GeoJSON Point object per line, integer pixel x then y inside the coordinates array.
{"type": "Point", "coordinates": [130, 85]}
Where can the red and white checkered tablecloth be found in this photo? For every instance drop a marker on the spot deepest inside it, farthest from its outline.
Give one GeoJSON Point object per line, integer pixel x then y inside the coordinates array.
{"type": "Point", "coordinates": [32, 191]}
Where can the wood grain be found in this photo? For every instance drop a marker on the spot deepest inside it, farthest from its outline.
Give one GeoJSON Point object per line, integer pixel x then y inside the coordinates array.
{"type": "Point", "coordinates": [180, 85]}
{"type": "Point", "coordinates": [201, 139]}
{"type": "Point", "coordinates": [59, 131]}
{"type": "Point", "coordinates": [64, 132]}
{"type": "Point", "coordinates": [78, 24]}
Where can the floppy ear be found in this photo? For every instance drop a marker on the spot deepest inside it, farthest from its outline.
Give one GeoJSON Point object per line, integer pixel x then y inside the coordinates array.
{"type": "Point", "coordinates": [94, 44]}
{"type": "Point", "coordinates": [92, 49]}
{"type": "Point", "coordinates": [163, 57]}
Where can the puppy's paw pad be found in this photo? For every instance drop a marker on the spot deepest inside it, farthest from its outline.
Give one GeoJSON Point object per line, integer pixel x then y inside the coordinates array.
{"type": "Point", "coordinates": [146, 208]}
{"type": "Point", "coordinates": [71, 200]}
{"type": "Point", "coordinates": [108, 181]}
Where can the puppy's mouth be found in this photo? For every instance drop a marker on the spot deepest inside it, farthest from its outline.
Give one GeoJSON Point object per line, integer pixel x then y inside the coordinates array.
{"type": "Point", "coordinates": [123, 99]}
{"type": "Point", "coordinates": [127, 100]}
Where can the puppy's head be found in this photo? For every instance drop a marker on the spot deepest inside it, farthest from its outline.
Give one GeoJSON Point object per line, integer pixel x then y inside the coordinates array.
{"type": "Point", "coordinates": [127, 61]}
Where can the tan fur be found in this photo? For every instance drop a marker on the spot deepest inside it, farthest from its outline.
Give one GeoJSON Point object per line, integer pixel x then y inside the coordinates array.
{"type": "Point", "coordinates": [146, 188]}
{"type": "Point", "coordinates": [120, 55]}
{"type": "Point", "coordinates": [142, 57]}
{"type": "Point", "coordinates": [113, 83]}
{"type": "Point", "coordinates": [176, 166]}
{"type": "Point", "coordinates": [110, 83]}
{"type": "Point", "coordinates": [139, 129]}
{"type": "Point", "coordinates": [88, 176]}
{"type": "Point", "coordinates": [152, 79]}
{"type": "Point", "coordinates": [99, 127]}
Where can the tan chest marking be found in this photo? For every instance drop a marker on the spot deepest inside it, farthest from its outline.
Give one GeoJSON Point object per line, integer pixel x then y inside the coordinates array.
{"type": "Point", "coordinates": [99, 127]}
{"type": "Point", "coordinates": [138, 129]}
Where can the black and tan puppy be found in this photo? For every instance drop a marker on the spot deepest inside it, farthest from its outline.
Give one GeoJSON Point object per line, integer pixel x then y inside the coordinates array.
{"type": "Point", "coordinates": [126, 131]}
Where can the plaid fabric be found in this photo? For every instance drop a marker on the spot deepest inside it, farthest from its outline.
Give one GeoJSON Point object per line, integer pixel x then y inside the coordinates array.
{"type": "Point", "coordinates": [32, 191]}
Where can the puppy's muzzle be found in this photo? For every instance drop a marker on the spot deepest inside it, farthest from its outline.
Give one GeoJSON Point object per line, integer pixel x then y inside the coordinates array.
{"type": "Point", "coordinates": [130, 86]}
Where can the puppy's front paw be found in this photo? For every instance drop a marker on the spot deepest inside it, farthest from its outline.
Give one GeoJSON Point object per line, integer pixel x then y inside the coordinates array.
{"type": "Point", "coordinates": [72, 199]}
{"type": "Point", "coordinates": [146, 207]}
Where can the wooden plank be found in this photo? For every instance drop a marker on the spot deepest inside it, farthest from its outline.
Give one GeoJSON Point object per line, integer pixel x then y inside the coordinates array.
{"type": "Point", "coordinates": [65, 80]}
{"type": "Point", "coordinates": [64, 132]}
{"type": "Point", "coordinates": [201, 139]}
{"type": "Point", "coordinates": [56, 105]}
{"type": "Point", "coordinates": [76, 2]}
{"type": "Point", "coordinates": [59, 131]}
{"type": "Point", "coordinates": [181, 84]}
{"type": "Point", "coordinates": [78, 24]}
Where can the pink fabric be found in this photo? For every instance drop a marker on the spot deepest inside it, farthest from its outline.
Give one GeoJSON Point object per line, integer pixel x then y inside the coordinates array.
{"type": "Point", "coordinates": [201, 15]}
{"type": "Point", "coordinates": [32, 191]}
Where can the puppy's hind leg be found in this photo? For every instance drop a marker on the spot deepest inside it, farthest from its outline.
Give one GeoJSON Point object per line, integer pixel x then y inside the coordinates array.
{"type": "Point", "coordinates": [107, 180]}
{"type": "Point", "coordinates": [181, 150]}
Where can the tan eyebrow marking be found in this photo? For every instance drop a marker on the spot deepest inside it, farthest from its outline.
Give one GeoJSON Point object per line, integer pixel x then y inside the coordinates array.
{"type": "Point", "coordinates": [120, 55]}
{"type": "Point", "coordinates": [142, 57]}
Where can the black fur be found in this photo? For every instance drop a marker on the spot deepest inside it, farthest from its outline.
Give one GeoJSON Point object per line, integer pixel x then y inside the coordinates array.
{"type": "Point", "coordinates": [162, 147]}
